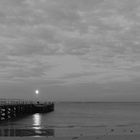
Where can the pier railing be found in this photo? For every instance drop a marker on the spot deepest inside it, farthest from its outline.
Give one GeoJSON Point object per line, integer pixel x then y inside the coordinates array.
{"type": "Point", "coordinates": [19, 102]}
{"type": "Point", "coordinates": [15, 102]}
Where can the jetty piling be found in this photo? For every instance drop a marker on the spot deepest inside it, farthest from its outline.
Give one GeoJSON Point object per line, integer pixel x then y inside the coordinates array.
{"type": "Point", "coordinates": [11, 109]}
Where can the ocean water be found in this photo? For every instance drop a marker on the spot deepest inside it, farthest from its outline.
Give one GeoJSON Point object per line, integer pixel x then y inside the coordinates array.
{"type": "Point", "coordinates": [70, 119]}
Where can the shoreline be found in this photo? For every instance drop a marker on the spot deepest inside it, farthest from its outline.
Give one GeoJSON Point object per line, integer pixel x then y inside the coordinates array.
{"type": "Point", "coordinates": [96, 137]}
{"type": "Point", "coordinates": [69, 132]}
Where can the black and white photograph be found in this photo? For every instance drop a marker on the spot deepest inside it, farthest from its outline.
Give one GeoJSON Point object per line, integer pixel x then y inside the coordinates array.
{"type": "Point", "coordinates": [70, 69]}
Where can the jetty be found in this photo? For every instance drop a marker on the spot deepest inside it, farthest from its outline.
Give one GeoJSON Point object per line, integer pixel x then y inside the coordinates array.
{"type": "Point", "coordinates": [16, 108]}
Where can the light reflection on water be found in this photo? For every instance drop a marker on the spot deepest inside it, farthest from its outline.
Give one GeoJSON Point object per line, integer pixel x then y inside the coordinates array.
{"type": "Point", "coordinates": [35, 131]}
{"type": "Point", "coordinates": [37, 121]}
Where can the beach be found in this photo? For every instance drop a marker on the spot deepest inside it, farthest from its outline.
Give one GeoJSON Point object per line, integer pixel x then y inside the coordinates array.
{"type": "Point", "coordinates": [121, 132]}
{"type": "Point", "coordinates": [70, 69]}
{"type": "Point", "coordinates": [89, 121]}
{"type": "Point", "coordinates": [108, 137]}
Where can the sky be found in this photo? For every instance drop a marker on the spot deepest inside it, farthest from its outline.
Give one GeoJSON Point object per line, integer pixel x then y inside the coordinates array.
{"type": "Point", "coordinates": [70, 50]}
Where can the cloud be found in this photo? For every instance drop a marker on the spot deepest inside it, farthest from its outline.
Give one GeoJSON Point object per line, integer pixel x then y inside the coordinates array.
{"type": "Point", "coordinates": [68, 42]}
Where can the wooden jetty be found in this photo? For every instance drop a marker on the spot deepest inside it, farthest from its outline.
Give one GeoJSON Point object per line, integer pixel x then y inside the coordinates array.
{"type": "Point", "coordinates": [10, 109]}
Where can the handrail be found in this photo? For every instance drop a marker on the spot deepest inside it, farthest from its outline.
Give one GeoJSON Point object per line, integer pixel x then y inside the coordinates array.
{"type": "Point", "coordinates": [14, 101]}
{"type": "Point", "coordinates": [19, 102]}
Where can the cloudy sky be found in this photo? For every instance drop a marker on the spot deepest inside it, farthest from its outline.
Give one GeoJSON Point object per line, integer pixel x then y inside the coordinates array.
{"type": "Point", "coordinates": [86, 50]}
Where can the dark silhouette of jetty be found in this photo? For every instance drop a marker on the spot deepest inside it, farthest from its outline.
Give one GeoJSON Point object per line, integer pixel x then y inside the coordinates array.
{"type": "Point", "coordinates": [11, 109]}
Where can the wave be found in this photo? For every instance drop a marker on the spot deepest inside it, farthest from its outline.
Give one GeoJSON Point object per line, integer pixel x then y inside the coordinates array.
{"type": "Point", "coordinates": [75, 126]}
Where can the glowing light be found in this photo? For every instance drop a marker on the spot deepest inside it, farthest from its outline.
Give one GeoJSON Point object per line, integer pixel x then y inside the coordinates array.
{"type": "Point", "coordinates": [37, 92]}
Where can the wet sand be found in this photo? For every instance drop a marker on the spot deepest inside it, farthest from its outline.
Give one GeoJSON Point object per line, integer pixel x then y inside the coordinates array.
{"type": "Point", "coordinates": [101, 137]}
{"type": "Point", "coordinates": [112, 134]}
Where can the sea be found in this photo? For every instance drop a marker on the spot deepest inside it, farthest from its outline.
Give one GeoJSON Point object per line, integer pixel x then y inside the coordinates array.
{"type": "Point", "coordinates": [77, 119]}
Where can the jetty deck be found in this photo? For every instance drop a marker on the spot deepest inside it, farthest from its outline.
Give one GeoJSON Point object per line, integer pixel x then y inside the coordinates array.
{"type": "Point", "coordinates": [10, 109]}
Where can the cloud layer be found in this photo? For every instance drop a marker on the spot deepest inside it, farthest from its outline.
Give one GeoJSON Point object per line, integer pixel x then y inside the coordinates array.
{"type": "Point", "coordinates": [62, 42]}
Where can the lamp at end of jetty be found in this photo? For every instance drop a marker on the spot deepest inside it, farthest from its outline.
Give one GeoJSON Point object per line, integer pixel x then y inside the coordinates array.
{"type": "Point", "coordinates": [37, 92]}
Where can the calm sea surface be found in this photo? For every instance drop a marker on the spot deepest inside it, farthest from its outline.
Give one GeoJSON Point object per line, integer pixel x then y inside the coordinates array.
{"type": "Point", "coordinates": [75, 119]}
